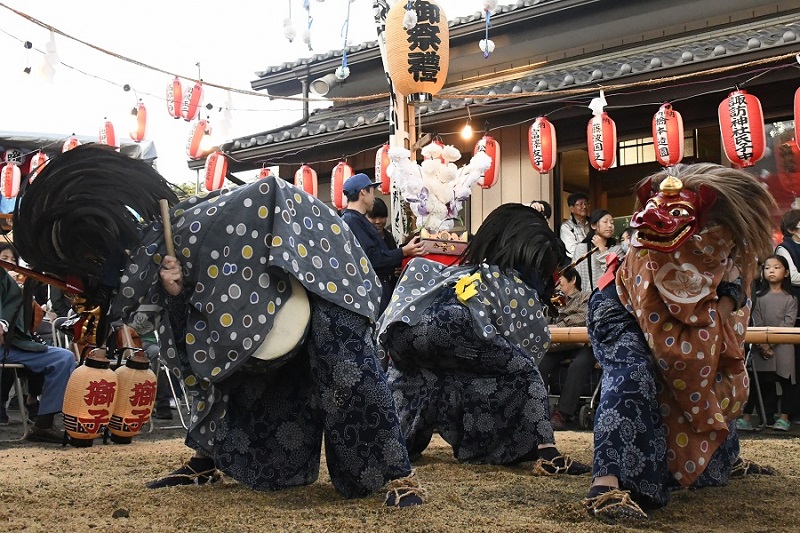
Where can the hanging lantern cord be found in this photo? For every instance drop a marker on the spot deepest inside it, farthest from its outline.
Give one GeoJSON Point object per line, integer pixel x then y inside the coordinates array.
{"type": "Point", "coordinates": [307, 7]}
{"type": "Point", "coordinates": [486, 34]}
{"type": "Point", "coordinates": [344, 32]}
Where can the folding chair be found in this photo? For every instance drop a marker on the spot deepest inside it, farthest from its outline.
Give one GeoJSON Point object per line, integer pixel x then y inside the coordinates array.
{"type": "Point", "coordinates": [15, 368]}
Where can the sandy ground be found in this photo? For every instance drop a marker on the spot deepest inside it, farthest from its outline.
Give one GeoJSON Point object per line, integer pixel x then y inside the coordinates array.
{"type": "Point", "coordinates": [45, 487]}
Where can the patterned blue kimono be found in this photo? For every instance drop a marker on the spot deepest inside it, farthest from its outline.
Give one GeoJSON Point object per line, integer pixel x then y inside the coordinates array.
{"type": "Point", "coordinates": [467, 367]}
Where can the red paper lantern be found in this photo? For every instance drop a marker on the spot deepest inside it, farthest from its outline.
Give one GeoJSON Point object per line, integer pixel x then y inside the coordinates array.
{"type": "Point", "coordinates": [601, 137]}
{"type": "Point", "coordinates": [107, 135]}
{"type": "Point", "coordinates": [491, 147]}
{"type": "Point", "coordinates": [264, 172]}
{"type": "Point", "coordinates": [136, 393]}
{"type": "Point", "coordinates": [89, 399]}
{"type": "Point", "coordinates": [139, 124]}
{"type": "Point", "coordinates": [70, 143]}
{"type": "Point", "coordinates": [668, 136]}
{"type": "Point", "coordinates": [174, 97]}
{"type": "Point", "coordinates": [191, 102]}
{"type": "Point", "coordinates": [741, 122]}
{"type": "Point", "coordinates": [11, 178]}
{"type": "Point", "coordinates": [381, 168]}
{"type": "Point", "coordinates": [194, 146]}
{"type": "Point", "coordinates": [306, 179]}
{"type": "Point", "coordinates": [542, 146]}
{"type": "Point", "coordinates": [340, 173]}
{"type": "Point", "coordinates": [216, 170]}
{"type": "Point", "coordinates": [38, 160]}
{"type": "Point", "coordinates": [797, 116]}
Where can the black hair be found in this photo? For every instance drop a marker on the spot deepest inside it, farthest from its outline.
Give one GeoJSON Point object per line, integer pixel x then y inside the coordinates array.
{"type": "Point", "coordinates": [574, 197]}
{"type": "Point", "coordinates": [379, 209]}
{"type": "Point", "coordinates": [354, 196]}
{"type": "Point", "coordinates": [786, 283]}
{"type": "Point", "coordinates": [571, 274]}
{"type": "Point", "coordinates": [9, 246]}
{"type": "Point", "coordinates": [594, 218]}
{"type": "Point", "coordinates": [626, 229]}
{"type": "Point", "coordinates": [789, 222]}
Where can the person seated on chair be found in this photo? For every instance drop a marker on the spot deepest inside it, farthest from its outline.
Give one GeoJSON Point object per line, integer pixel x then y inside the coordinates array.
{"type": "Point", "coordinates": [571, 313]}
{"type": "Point", "coordinates": [23, 347]}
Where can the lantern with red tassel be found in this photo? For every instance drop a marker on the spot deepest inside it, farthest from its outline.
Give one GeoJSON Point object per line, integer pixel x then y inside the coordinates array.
{"type": "Point", "coordinates": [107, 135]}
{"type": "Point", "coordinates": [38, 160]}
{"type": "Point", "coordinates": [741, 122]}
{"type": "Point", "coordinates": [216, 169]}
{"type": "Point", "coordinates": [340, 173]}
{"type": "Point", "coordinates": [601, 137]}
{"type": "Point", "coordinates": [194, 146]}
{"type": "Point", "coordinates": [264, 172]}
{"type": "Point", "coordinates": [668, 136]}
{"type": "Point", "coordinates": [381, 168]}
{"type": "Point", "coordinates": [542, 146]}
{"type": "Point", "coordinates": [11, 178]}
{"type": "Point", "coordinates": [70, 143]}
{"type": "Point", "coordinates": [191, 102]}
{"type": "Point", "coordinates": [306, 179]}
{"type": "Point", "coordinates": [136, 393]}
{"type": "Point", "coordinates": [491, 147]}
{"type": "Point", "coordinates": [138, 122]}
{"type": "Point", "coordinates": [174, 97]}
{"type": "Point", "coordinates": [89, 399]}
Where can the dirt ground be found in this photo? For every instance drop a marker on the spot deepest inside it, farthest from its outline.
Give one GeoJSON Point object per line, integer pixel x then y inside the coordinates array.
{"type": "Point", "coordinates": [44, 487]}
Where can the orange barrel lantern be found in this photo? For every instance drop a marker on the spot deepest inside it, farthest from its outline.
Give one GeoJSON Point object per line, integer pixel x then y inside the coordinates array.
{"type": "Point", "coordinates": [174, 97]}
{"type": "Point", "coordinates": [668, 136]}
{"type": "Point", "coordinates": [38, 160]}
{"type": "Point", "coordinates": [138, 122]}
{"type": "Point", "coordinates": [70, 143]}
{"type": "Point", "coordinates": [601, 137]}
{"type": "Point", "coordinates": [89, 399]}
{"type": "Point", "coordinates": [191, 102]}
{"type": "Point", "coordinates": [135, 398]}
{"type": "Point", "coordinates": [11, 178]}
{"type": "Point", "coordinates": [491, 147]}
{"type": "Point", "coordinates": [194, 146]}
{"type": "Point", "coordinates": [340, 173]}
{"type": "Point", "coordinates": [216, 169]}
{"type": "Point", "coordinates": [264, 173]}
{"type": "Point", "coordinates": [107, 135]}
{"type": "Point", "coordinates": [306, 179]}
{"type": "Point", "coordinates": [741, 122]}
{"type": "Point", "coordinates": [542, 146]}
{"type": "Point", "coordinates": [381, 168]}
{"type": "Point", "coordinates": [418, 56]}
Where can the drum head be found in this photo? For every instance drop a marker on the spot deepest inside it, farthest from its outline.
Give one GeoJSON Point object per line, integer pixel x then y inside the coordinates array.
{"type": "Point", "coordinates": [289, 327]}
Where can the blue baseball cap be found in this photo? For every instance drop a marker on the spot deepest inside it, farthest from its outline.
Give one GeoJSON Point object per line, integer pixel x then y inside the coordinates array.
{"type": "Point", "coordinates": [356, 182]}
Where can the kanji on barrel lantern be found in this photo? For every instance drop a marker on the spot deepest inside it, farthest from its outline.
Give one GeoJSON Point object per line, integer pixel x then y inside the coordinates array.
{"type": "Point", "coordinates": [668, 136]}
{"type": "Point", "coordinates": [192, 101]}
{"type": "Point", "coordinates": [542, 146]}
{"type": "Point", "coordinates": [89, 399]}
{"type": "Point", "coordinates": [216, 169]}
{"type": "Point", "coordinates": [491, 147]}
{"type": "Point", "coordinates": [741, 122]}
{"type": "Point", "coordinates": [382, 169]}
{"type": "Point", "coordinates": [11, 178]}
{"type": "Point", "coordinates": [174, 98]}
{"type": "Point", "coordinates": [13, 155]}
{"type": "Point", "coordinates": [107, 135]}
{"type": "Point", "coordinates": [340, 173]}
{"type": "Point", "coordinates": [136, 393]}
{"type": "Point", "coordinates": [418, 55]}
{"type": "Point", "coordinates": [138, 122]}
{"type": "Point", "coordinates": [306, 179]}
{"type": "Point", "coordinates": [601, 137]}
{"type": "Point", "coordinates": [38, 161]}
{"type": "Point", "coordinates": [194, 146]}
{"type": "Point", "coordinates": [70, 143]}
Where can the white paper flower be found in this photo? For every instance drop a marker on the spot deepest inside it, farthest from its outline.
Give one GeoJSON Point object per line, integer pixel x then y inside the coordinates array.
{"type": "Point", "coordinates": [409, 19]}
{"type": "Point", "coordinates": [486, 46]}
{"type": "Point", "coordinates": [288, 30]}
{"type": "Point", "coordinates": [490, 5]}
{"type": "Point", "coordinates": [342, 72]}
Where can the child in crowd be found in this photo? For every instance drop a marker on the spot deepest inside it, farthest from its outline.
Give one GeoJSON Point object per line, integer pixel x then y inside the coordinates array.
{"type": "Point", "coordinates": [774, 363]}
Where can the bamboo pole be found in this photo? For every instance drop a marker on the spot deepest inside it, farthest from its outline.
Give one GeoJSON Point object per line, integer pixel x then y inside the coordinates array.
{"type": "Point", "coordinates": [753, 335]}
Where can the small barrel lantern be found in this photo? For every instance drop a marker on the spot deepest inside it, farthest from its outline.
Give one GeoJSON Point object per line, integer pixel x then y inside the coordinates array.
{"type": "Point", "coordinates": [89, 399]}
{"type": "Point", "coordinates": [340, 173]}
{"type": "Point", "coordinates": [134, 403]}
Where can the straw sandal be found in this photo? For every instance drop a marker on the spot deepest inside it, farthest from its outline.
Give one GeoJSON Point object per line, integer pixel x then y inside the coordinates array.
{"type": "Point", "coordinates": [745, 467]}
{"type": "Point", "coordinates": [186, 475]}
{"type": "Point", "coordinates": [614, 505]}
{"type": "Point", "coordinates": [562, 464]}
{"type": "Point", "coordinates": [404, 492]}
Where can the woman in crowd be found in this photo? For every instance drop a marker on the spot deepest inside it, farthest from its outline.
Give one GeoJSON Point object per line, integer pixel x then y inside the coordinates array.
{"type": "Point", "coordinates": [601, 243]}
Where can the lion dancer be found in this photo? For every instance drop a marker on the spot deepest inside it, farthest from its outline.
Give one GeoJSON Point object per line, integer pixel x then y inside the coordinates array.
{"type": "Point", "coordinates": [669, 334]}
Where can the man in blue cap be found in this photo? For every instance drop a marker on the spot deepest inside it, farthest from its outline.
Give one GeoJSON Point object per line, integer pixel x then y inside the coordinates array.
{"type": "Point", "coordinates": [360, 192]}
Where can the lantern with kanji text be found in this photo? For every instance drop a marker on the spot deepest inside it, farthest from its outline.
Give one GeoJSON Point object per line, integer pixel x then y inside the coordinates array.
{"type": "Point", "coordinates": [490, 147]}
{"type": "Point", "coordinates": [306, 179]}
{"type": "Point", "coordinates": [107, 135]}
{"type": "Point", "coordinates": [668, 136]}
{"type": "Point", "coordinates": [419, 55]}
{"type": "Point", "coordinates": [13, 155]}
{"type": "Point", "coordinates": [741, 123]}
{"type": "Point", "coordinates": [340, 173]}
{"type": "Point", "coordinates": [192, 100]}
{"type": "Point", "coordinates": [542, 146]}
{"type": "Point", "coordinates": [70, 143]}
{"type": "Point", "coordinates": [136, 393]}
{"type": "Point", "coordinates": [216, 169]}
{"type": "Point", "coordinates": [138, 122]}
{"type": "Point", "coordinates": [89, 399]}
{"type": "Point", "coordinates": [382, 169]}
{"type": "Point", "coordinates": [174, 97]}
{"type": "Point", "coordinates": [38, 160]}
{"type": "Point", "coordinates": [601, 137]}
{"type": "Point", "coordinates": [11, 179]}
{"type": "Point", "coordinates": [194, 145]}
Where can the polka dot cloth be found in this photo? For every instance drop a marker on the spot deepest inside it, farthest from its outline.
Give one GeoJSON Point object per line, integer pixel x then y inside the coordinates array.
{"type": "Point", "coordinates": [238, 248]}
{"type": "Point", "coordinates": [699, 358]}
{"type": "Point", "coordinates": [504, 305]}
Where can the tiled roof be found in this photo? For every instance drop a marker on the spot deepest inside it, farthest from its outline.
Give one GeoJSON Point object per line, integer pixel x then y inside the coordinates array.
{"type": "Point", "coordinates": [577, 73]}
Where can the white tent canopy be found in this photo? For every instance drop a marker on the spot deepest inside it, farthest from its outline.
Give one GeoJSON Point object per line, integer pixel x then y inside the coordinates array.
{"type": "Point", "coordinates": [51, 144]}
